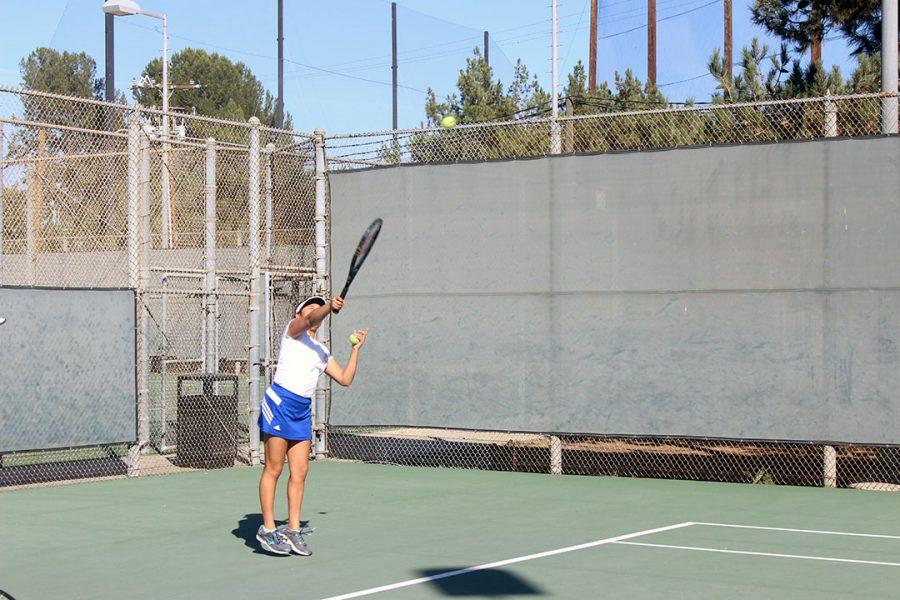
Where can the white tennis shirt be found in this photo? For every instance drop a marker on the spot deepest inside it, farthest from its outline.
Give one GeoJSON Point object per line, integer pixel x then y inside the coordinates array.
{"type": "Point", "coordinates": [300, 363]}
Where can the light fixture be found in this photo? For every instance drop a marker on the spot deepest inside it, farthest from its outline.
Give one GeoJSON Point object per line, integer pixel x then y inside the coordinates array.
{"type": "Point", "coordinates": [121, 8]}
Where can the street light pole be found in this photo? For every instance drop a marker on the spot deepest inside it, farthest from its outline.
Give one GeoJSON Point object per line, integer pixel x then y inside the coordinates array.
{"type": "Point", "coordinates": [124, 8]}
{"type": "Point", "coordinates": [555, 141]}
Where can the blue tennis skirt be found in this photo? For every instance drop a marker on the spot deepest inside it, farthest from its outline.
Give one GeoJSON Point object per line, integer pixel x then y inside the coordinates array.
{"type": "Point", "coordinates": [284, 414]}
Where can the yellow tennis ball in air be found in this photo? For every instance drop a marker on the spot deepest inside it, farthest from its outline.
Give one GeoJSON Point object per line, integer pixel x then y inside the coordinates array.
{"type": "Point", "coordinates": [353, 339]}
{"type": "Point", "coordinates": [448, 121]}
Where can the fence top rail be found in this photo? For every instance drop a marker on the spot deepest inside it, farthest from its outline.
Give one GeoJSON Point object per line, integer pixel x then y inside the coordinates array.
{"type": "Point", "coordinates": [302, 134]}
{"type": "Point", "coordinates": [27, 92]}
{"type": "Point", "coordinates": [613, 115]}
{"type": "Point", "coordinates": [147, 110]}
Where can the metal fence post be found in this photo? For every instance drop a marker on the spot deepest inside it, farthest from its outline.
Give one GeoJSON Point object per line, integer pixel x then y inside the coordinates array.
{"type": "Point", "coordinates": [829, 474]}
{"type": "Point", "coordinates": [132, 260]}
{"type": "Point", "coordinates": [30, 241]}
{"type": "Point", "coordinates": [2, 165]}
{"type": "Point", "coordinates": [269, 155]}
{"type": "Point", "coordinates": [831, 129]}
{"type": "Point", "coordinates": [555, 137]}
{"type": "Point", "coordinates": [556, 455]}
{"type": "Point", "coordinates": [323, 393]}
{"type": "Point", "coordinates": [209, 355]}
{"type": "Point", "coordinates": [143, 283]}
{"type": "Point", "coordinates": [253, 247]}
{"type": "Point", "coordinates": [889, 59]}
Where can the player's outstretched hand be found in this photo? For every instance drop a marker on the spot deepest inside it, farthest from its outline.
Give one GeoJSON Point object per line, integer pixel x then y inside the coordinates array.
{"type": "Point", "coordinates": [337, 303]}
{"type": "Point", "coordinates": [361, 335]}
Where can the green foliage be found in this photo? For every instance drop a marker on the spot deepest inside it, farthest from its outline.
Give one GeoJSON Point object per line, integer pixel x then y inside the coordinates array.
{"type": "Point", "coordinates": [772, 75]}
{"type": "Point", "coordinates": [629, 115]}
{"type": "Point", "coordinates": [634, 129]}
{"type": "Point", "coordinates": [68, 73]}
{"type": "Point", "coordinates": [83, 201]}
{"type": "Point", "coordinates": [778, 75]}
{"type": "Point", "coordinates": [860, 22]}
{"type": "Point", "coordinates": [13, 218]}
{"type": "Point", "coordinates": [230, 90]}
{"type": "Point", "coordinates": [761, 477]}
{"type": "Point", "coordinates": [628, 93]}
{"type": "Point", "coordinates": [480, 99]}
{"type": "Point", "coordinates": [866, 78]}
{"type": "Point", "coordinates": [798, 22]}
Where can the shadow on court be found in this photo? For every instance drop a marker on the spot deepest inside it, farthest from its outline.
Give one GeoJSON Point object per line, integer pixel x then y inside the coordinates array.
{"type": "Point", "coordinates": [489, 582]}
{"type": "Point", "coordinates": [247, 527]}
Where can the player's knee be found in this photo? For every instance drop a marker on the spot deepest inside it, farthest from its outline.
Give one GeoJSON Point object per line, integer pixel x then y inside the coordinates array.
{"type": "Point", "coordinates": [298, 474]}
{"type": "Point", "coordinates": [274, 468]}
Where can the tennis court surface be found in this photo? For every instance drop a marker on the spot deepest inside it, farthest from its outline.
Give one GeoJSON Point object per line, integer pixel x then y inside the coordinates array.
{"type": "Point", "coordinates": [402, 532]}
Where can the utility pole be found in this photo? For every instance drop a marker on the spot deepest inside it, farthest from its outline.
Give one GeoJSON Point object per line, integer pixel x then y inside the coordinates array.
{"type": "Point", "coordinates": [110, 78]}
{"type": "Point", "coordinates": [394, 59]}
{"type": "Point", "coordinates": [651, 42]}
{"type": "Point", "coordinates": [487, 49]}
{"type": "Point", "coordinates": [729, 39]}
{"type": "Point", "coordinates": [555, 141]}
{"type": "Point", "coordinates": [592, 60]}
{"type": "Point", "coordinates": [279, 109]}
{"type": "Point", "coordinates": [554, 62]}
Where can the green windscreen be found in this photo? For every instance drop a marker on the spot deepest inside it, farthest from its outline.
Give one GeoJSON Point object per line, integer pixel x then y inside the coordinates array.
{"type": "Point", "coordinates": [67, 368]}
{"type": "Point", "coordinates": [744, 292]}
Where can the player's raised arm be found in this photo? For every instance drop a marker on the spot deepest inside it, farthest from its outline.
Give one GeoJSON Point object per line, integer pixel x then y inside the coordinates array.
{"type": "Point", "coordinates": [344, 375]}
{"type": "Point", "coordinates": [301, 323]}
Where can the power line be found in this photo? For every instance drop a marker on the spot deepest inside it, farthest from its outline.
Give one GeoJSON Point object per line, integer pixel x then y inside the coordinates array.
{"type": "Point", "coordinates": [571, 45]}
{"type": "Point", "coordinates": [466, 40]}
{"type": "Point", "coordinates": [685, 80]}
{"type": "Point", "coordinates": [307, 66]}
{"type": "Point", "coordinates": [612, 101]}
{"type": "Point", "coordinates": [618, 33]}
{"type": "Point", "coordinates": [352, 76]}
{"type": "Point", "coordinates": [515, 39]}
{"type": "Point", "coordinates": [641, 11]}
{"type": "Point", "coordinates": [441, 54]}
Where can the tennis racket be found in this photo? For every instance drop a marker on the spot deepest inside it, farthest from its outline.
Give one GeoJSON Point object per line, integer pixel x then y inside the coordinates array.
{"type": "Point", "coordinates": [362, 251]}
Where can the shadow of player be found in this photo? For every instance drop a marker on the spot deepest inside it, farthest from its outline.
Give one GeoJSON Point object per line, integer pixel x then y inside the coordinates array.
{"type": "Point", "coordinates": [483, 583]}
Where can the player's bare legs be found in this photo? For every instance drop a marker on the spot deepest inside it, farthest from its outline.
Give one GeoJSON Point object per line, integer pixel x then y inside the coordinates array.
{"type": "Point", "coordinates": [272, 540]}
{"type": "Point", "coordinates": [298, 460]}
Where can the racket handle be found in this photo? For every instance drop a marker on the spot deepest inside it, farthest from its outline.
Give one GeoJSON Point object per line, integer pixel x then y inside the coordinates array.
{"type": "Point", "coordinates": [343, 293]}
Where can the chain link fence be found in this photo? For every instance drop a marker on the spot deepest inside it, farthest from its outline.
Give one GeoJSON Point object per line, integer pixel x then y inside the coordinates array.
{"type": "Point", "coordinates": [650, 129]}
{"type": "Point", "coordinates": [214, 223]}
{"type": "Point", "coordinates": [727, 460]}
{"type": "Point", "coordinates": [97, 195]}
{"type": "Point", "coordinates": [762, 462]}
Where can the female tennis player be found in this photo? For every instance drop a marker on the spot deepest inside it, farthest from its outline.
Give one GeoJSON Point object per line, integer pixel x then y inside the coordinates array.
{"type": "Point", "coordinates": [284, 417]}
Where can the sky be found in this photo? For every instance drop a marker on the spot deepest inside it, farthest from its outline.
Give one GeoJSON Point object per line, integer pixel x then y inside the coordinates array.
{"type": "Point", "coordinates": [338, 52]}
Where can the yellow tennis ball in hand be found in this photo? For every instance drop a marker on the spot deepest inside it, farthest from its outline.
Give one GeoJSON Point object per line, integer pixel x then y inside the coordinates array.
{"type": "Point", "coordinates": [353, 339]}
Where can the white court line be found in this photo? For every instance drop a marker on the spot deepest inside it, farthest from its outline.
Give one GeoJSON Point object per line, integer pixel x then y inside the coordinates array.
{"type": "Point", "coordinates": [772, 554]}
{"type": "Point", "coordinates": [868, 535]}
{"type": "Point", "coordinates": [508, 561]}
